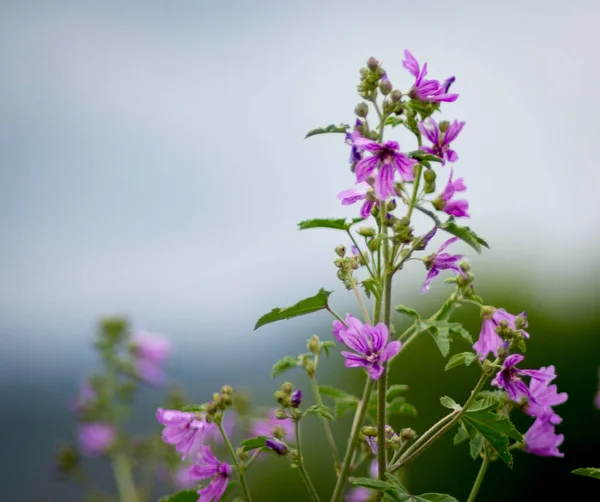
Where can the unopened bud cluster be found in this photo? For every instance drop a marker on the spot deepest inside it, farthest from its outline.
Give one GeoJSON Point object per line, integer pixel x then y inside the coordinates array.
{"type": "Point", "coordinates": [219, 402]}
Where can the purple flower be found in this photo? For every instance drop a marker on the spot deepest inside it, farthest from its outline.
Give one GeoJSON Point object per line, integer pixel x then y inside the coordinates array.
{"type": "Point", "coordinates": [277, 446]}
{"type": "Point", "coordinates": [150, 353]}
{"type": "Point", "coordinates": [85, 398]}
{"type": "Point", "coordinates": [387, 157]}
{"type": "Point", "coordinates": [509, 378]}
{"type": "Point", "coordinates": [356, 153]}
{"type": "Point", "coordinates": [183, 429]}
{"type": "Point", "coordinates": [423, 89]}
{"type": "Point", "coordinates": [489, 340]}
{"type": "Point", "coordinates": [296, 398]}
{"type": "Point", "coordinates": [545, 396]}
{"type": "Point", "coordinates": [456, 208]}
{"type": "Point", "coordinates": [540, 439]}
{"type": "Point", "coordinates": [442, 261]}
{"type": "Point", "coordinates": [440, 142]}
{"type": "Point", "coordinates": [182, 478]}
{"type": "Point", "coordinates": [208, 466]}
{"type": "Point", "coordinates": [96, 437]}
{"type": "Point", "coordinates": [212, 432]}
{"type": "Point", "coordinates": [353, 195]}
{"type": "Point", "coordinates": [369, 342]}
{"type": "Point", "coordinates": [362, 494]}
{"type": "Point", "coordinates": [272, 427]}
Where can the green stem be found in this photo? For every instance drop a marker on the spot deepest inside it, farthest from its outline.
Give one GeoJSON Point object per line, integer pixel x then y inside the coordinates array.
{"type": "Point", "coordinates": [326, 425]}
{"type": "Point", "coordinates": [479, 479]}
{"type": "Point", "coordinates": [234, 458]}
{"type": "Point", "coordinates": [359, 250]}
{"type": "Point", "coordinates": [304, 474]}
{"type": "Point", "coordinates": [335, 314]}
{"type": "Point", "coordinates": [416, 184]}
{"type": "Point", "coordinates": [362, 305]}
{"type": "Point", "coordinates": [354, 435]}
{"type": "Point", "coordinates": [123, 477]}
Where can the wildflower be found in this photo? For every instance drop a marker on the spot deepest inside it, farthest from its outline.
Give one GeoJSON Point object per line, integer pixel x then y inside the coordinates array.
{"type": "Point", "coordinates": [423, 89]}
{"type": "Point", "coordinates": [353, 195]}
{"type": "Point", "coordinates": [96, 437]}
{"type": "Point", "coordinates": [370, 343]}
{"type": "Point", "coordinates": [445, 203]}
{"type": "Point", "coordinates": [540, 439]}
{"type": "Point", "coordinates": [489, 339]}
{"type": "Point", "coordinates": [296, 398]}
{"type": "Point", "coordinates": [273, 427]}
{"type": "Point", "coordinates": [183, 429]}
{"type": "Point", "coordinates": [440, 141]}
{"type": "Point", "coordinates": [150, 353]}
{"type": "Point", "coordinates": [277, 446]}
{"type": "Point", "coordinates": [509, 378]}
{"type": "Point", "coordinates": [387, 157]}
{"type": "Point", "coordinates": [441, 261]}
{"type": "Point", "coordinates": [182, 478]}
{"type": "Point", "coordinates": [356, 153]}
{"type": "Point", "coordinates": [545, 396]}
{"type": "Point", "coordinates": [208, 466]}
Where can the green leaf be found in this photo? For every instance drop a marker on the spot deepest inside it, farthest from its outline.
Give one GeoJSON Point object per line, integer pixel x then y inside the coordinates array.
{"type": "Point", "coordinates": [329, 391]}
{"type": "Point", "coordinates": [193, 407]}
{"type": "Point", "coordinates": [374, 484]}
{"type": "Point", "coordinates": [335, 223]}
{"type": "Point", "coordinates": [465, 358]}
{"type": "Point", "coordinates": [401, 494]}
{"type": "Point", "coordinates": [321, 410]}
{"type": "Point", "coordinates": [395, 390]}
{"type": "Point", "coordinates": [407, 311]}
{"type": "Point", "coordinates": [182, 496]}
{"type": "Point", "coordinates": [448, 402]}
{"type": "Point", "coordinates": [398, 407]}
{"type": "Point", "coordinates": [254, 443]}
{"type": "Point", "coordinates": [592, 472]}
{"type": "Point", "coordinates": [496, 429]}
{"type": "Point", "coordinates": [461, 434]}
{"type": "Point", "coordinates": [447, 310]}
{"type": "Point", "coordinates": [332, 128]}
{"type": "Point", "coordinates": [483, 404]}
{"type": "Point", "coordinates": [303, 307]}
{"type": "Point", "coordinates": [465, 234]}
{"type": "Point", "coordinates": [394, 121]}
{"type": "Point", "coordinates": [441, 331]}
{"type": "Point", "coordinates": [341, 407]}
{"type": "Point", "coordinates": [421, 155]}
{"type": "Point", "coordinates": [372, 287]}
{"type": "Point", "coordinates": [327, 345]}
{"type": "Point", "coordinates": [284, 364]}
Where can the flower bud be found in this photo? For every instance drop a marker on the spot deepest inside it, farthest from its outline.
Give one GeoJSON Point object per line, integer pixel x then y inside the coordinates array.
{"type": "Point", "coordinates": [429, 187]}
{"type": "Point", "coordinates": [296, 398]}
{"type": "Point", "coordinates": [361, 110]}
{"type": "Point", "coordinates": [364, 72]}
{"type": "Point", "coordinates": [443, 125]}
{"type": "Point", "coordinates": [487, 312]}
{"type": "Point", "coordinates": [314, 344]}
{"type": "Point", "coordinates": [372, 63]}
{"type": "Point", "coordinates": [392, 204]}
{"type": "Point", "coordinates": [396, 95]}
{"type": "Point", "coordinates": [408, 434]}
{"type": "Point", "coordinates": [439, 203]}
{"type": "Point", "coordinates": [226, 400]}
{"type": "Point", "coordinates": [385, 86]}
{"type": "Point", "coordinates": [211, 408]}
{"type": "Point", "coordinates": [369, 431]}
{"type": "Point", "coordinates": [281, 415]}
{"type": "Point", "coordinates": [310, 368]}
{"type": "Point", "coordinates": [67, 460]}
{"type": "Point", "coordinates": [277, 446]}
{"type": "Point", "coordinates": [429, 175]}
{"type": "Point", "coordinates": [287, 388]}
{"type": "Point", "coordinates": [280, 397]}
{"type": "Point", "coordinates": [366, 231]}
{"type": "Point", "coordinates": [216, 398]}
{"type": "Point", "coordinates": [465, 267]}
{"type": "Point", "coordinates": [340, 250]}
{"type": "Point", "coordinates": [521, 321]}
{"type": "Point", "coordinates": [226, 389]}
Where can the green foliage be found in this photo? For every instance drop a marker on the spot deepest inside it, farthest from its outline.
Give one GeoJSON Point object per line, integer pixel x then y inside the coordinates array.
{"type": "Point", "coordinates": [408, 311]}
{"type": "Point", "coordinates": [395, 390]}
{"type": "Point", "coordinates": [441, 331]}
{"type": "Point", "coordinates": [321, 410]}
{"type": "Point", "coordinates": [465, 358]}
{"type": "Point", "coordinates": [335, 223]}
{"type": "Point", "coordinates": [592, 472]}
{"type": "Point", "coordinates": [303, 307]}
{"type": "Point", "coordinates": [394, 121]}
{"type": "Point", "coordinates": [372, 287]}
{"type": "Point", "coordinates": [448, 402]}
{"type": "Point", "coordinates": [193, 407]}
{"type": "Point", "coordinates": [254, 443]}
{"type": "Point", "coordinates": [327, 345]}
{"type": "Point", "coordinates": [284, 364]}
{"type": "Point", "coordinates": [394, 491]}
{"type": "Point", "coordinates": [182, 496]}
{"type": "Point", "coordinates": [464, 233]}
{"type": "Point", "coordinates": [343, 402]}
{"type": "Point", "coordinates": [421, 155]}
{"type": "Point", "coordinates": [331, 128]}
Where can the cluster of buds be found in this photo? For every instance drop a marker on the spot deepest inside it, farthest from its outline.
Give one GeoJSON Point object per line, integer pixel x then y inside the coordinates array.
{"type": "Point", "coordinates": [403, 232]}
{"type": "Point", "coordinates": [370, 78]}
{"type": "Point", "coordinates": [393, 439]}
{"type": "Point", "coordinates": [220, 402]}
{"type": "Point", "coordinates": [288, 398]}
{"type": "Point", "coordinates": [346, 266]}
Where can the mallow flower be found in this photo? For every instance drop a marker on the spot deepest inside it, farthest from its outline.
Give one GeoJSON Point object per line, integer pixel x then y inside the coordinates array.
{"type": "Point", "coordinates": [185, 430]}
{"type": "Point", "coordinates": [352, 195]}
{"type": "Point", "coordinates": [150, 352]}
{"type": "Point", "coordinates": [440, 141]}
{"type": "Point", "coordinates": [445, 203]}
{"type": "Point", "coordinates": [544, 397]}
{"type": "Point", "coordinates": [439, 261]}
{"type": "Point", "coordinates": [509, 378]}
{"type": "Point", "coordinates": [208, 466]}
{"type": "Point", "coordinates": [541, 439]}
{"type": "Point", "coordinates": [489, 340]}
{"type": "Point", "coordinates": [96, 437]}
{"type": "Point", "coordinates": [423, 89]}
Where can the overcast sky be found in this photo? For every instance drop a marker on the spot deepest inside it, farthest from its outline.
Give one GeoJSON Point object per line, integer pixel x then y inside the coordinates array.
{"type": "Point", "coordinates": [152, 158]}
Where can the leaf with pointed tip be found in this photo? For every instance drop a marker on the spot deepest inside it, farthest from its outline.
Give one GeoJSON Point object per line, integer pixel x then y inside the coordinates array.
{"type": "Point", "coordinates": [331, 128]}
{"type": "Point", "coordinates": [254, 443]}
{"type": "Point", "coordinates": [464, 233]}
{"type": "Point", "coordinates": [465, 358]}
{"type": "Point", "coordinates": [284, 364]}
{"type": "Point", "coordinates": [372, 287]}
{"type": "Point", "coordinates": [321, 410]}
{"type": "Point", "coordinates": [374, 484]}
{"type": "Point", "coordinates": [335, 223]}
{"type": "Point", "coordinates": [193, 407]}
{"type": "Point", "coordinates": [448, 402]}
{"type": "Point", "coordinates": [407, 311]}
{"type": "Point", "coordinates": [394, 121]}
{"type": "Point", "coordinates": [592, 472]}
{"type": "Point", "coordinates": [483, 404]}
{"type": "Point", "coordinates": [421, 155]}
{"type": "Point", "coordinates": [327, 345]}
{"type": "Point", "coordinates": [303, 307]}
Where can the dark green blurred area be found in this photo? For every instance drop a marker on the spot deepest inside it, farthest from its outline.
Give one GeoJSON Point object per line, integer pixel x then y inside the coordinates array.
{"type": "Point", "coordinates": [566, 337]}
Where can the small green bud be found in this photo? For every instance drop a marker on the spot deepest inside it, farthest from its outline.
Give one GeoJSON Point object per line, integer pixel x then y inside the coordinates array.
{"type": "Point", "coordinates": [340, 250]}
{"type": "Point", "coordinates": [374, 244]}
{"type": "Point", "coordinates": [396, 95]}
{"type": "Point", "coordinates": [226, 400]}
{"type": "Point", "coordinates": [226, 389]}
{"type": "Point", "coordinates": [361, 110]}
{"type": "Point", "coordinates": [211, 408]}
{"type": "Point", "coordinates": [67, 459]}
{"type": "Point", "coordinates": [429, 187]}
{"type": "Point", "coordinates": [408, 434]}
{"type": "Point", "coordinates": [341, 275]}
{"type": "Point", "coordinates": [391, 205]}
{"type": "Point", "coordinates": [372, 63]}
{"type": "Point", "coordinates": [429, 175]}
{"type": "Point", "coordinates": [462, 281]}
{"type": "Point", "coordinates": [314, 344]}
{"type": "Point", "coordinates": [487, 312]}
{"type": "Point", "coordinates": [339, 263]}
{"type": "Point", "coordinates": [281, 414]}
{"type": "Point", "coordinates": [216, 398]}
{"type": "Point", "coordinates": [287, 388]}
{"type": "Point", "coordinates": [209, 418]}
{"type": "Point", "coordinates": [443, 125]}
{"type": "Point", "coordinates": [385, 87]}
{"type": "Point", "coordinates": [369, 431]}
{"type": "Point", "coordinates": [364, 72]}
{"type": "Point", "coordinates": [465, 267]}
{"type": "Point", "coordinates": [310, 368]}
{"type": "Point", "coordinates": [366, 231]}
{"type": "Point", "coordinates": [521, 321]}
{"type": "Point", "coordinates": [280, 396]}
{"type": "Point", "coordinates": [439, 203]}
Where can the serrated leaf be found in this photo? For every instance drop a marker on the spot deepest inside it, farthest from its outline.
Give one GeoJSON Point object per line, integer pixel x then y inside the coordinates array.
{"type": "Point", "coordinates": [395, 391]}
{"type": "Point", "coordinates": [483, 404]}
{"type": "Point", "coordinates": [182, 496]}
{"type": "Point", "coordinates": [254, 443]}
{"type": "Point", "coordinates": [441, 331]}
{"type": "Point", "coordinates": [499, 423]}
{"type": "Point", "coordinates": [465, 234]}
{"type": "Point", "coordinates": [331, 128]}
{"type": "Point", "coordinates": [321, 410]}
{"type": "Point", "coordinates": [465, 358]}
{"type": "Point", "coordinates": [447, 310]}
{"type": "Point", "coordinates": [407, 311]}
{"type": "Point", "coordinates": [372, 287]}
{"type": "Point", "coordinates": [592, 472]}
{"type": "Point", "coordinates": [303, 307]}
{"type": "Point", "coordinates": [448, 402]}
{"type": "Point", "coordinates": [336, 223]}
{"type": "Point", "coordinates": [476, 445]}
{"type": "Point", "coordinates": [421, 155]}
{"type": "Point", "coordinates": [329, 391]}
{"type": "Point", "coordinates": [284, 364]}
{"type": "Point", "coordinates": [193, 407]}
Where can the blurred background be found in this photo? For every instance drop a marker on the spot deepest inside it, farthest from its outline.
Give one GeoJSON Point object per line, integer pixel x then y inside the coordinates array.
{"type": "Point", "coordinates": [152, 163]}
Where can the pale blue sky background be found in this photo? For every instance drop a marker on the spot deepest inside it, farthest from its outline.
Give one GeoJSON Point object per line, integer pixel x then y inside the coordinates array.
{"type": "Point", "coordinates": [152, 158]}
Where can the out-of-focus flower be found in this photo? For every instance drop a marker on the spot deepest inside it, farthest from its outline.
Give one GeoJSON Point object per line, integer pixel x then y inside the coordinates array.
{"type": "Point", "coordinates": [96, 437]}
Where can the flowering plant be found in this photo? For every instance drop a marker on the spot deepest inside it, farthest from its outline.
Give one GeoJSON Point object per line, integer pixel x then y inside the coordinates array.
{"type": "Point", "coordinates": [393, 185]}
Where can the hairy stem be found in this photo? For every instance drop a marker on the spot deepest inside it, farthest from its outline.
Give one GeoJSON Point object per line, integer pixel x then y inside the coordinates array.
{"type": "Point", "coordinates": [311, 489]}
{"type": "Point", "coordinates": [234, 458]}
{"type": "Point", "coordinates": [479, 478]}
{"type": "Point", "coordinates": [354, 435]}
{"type": "Point", "coordinates": [123, 477]}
